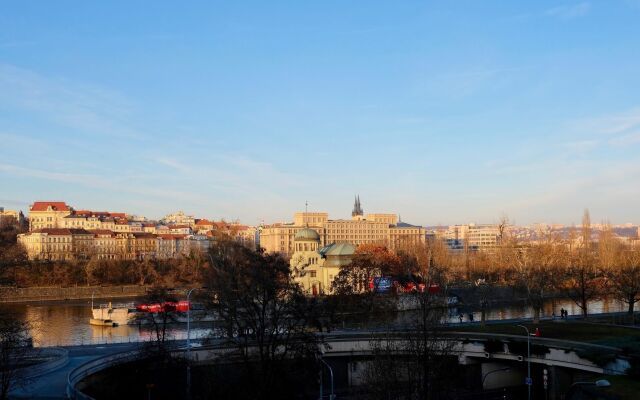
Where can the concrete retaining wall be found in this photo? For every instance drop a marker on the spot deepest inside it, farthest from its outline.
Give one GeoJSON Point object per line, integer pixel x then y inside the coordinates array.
{"type": "Point", "coordinates": [13, 294]}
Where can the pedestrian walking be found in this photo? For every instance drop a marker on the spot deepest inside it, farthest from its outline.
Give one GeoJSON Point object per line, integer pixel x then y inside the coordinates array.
{"type": "Point", "coordinates": [460, 317]}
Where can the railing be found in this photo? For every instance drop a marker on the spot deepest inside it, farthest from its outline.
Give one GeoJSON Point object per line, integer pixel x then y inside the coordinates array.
{"type": "Point", "coordinates": [91, 367]}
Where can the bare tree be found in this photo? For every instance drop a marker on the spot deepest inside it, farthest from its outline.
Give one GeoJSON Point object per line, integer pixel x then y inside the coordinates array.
{"type": "Point", "coordinates": [582, 282]}
{"type": "Point", "coordinates": [159, 316]}
{"type": "Point", "coordinates": [265, 316]}
{"type": "Point", "coordinates": [14, 348]}
{"type": "Point", "coordinates": [536, 270]}
{"type": "Point", "coordinates": [624, 277]}
{"type": "Point", "coordinates": [414, 365]}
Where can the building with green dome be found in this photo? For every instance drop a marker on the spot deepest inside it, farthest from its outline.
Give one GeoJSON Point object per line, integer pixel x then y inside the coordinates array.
{"type": "Point", "coordinates": [315, 267]}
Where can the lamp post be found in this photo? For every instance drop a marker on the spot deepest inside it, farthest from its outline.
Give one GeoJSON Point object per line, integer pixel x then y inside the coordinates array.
{"type": "Point", "coordinates": [332, 396]}
{"type": "Point", "coordinates": [189, 340]}
{"type": "Point", "coordinates": [529, 381]}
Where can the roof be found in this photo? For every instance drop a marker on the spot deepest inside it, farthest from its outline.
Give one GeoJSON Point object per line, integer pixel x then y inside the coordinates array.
{"type": "Point", "coordinates": [338, 249]}
{"type": "Point", "coordinates": [171, 236]}
{"type": "Point", "coordinates": [44, 206]}
{"type": "Point", "coordinates": [204, 222]}
{"type": "Point", "coordinates": [102, 232]}
{"type": "Point", "coordinates": [405, 225]}
{"type": "Point", "coordinates": [307, 234]}
{"type": "Point", "coordinates": [143, 235]}
{"type": "Point", "coordinates": [62, 231]}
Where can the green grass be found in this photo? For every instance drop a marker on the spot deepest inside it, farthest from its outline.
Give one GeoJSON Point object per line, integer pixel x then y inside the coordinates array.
{"type": "Point", "coordinates": [625, 387]}
{"type": "Point", "coordinates": [626, 338]}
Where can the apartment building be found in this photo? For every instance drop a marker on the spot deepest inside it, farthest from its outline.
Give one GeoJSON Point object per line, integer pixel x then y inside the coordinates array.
{"type": "Point", "coordinates": [48, 214]}
{"type": "Point", "coordinates": [383, 229]}
{"type": "Point", "coordinates": [471, 237]}
{"type": "Point", "coordinates": [179, 218]}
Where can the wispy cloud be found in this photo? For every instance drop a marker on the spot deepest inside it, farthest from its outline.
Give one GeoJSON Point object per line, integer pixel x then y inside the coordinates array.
{"type": "Point", "coordinates": [619, 128]}
{"type": "Point", "coordinates": [116, 184]}
{"type": "Point", "coordinates": [569, 11]}
{"type": "Point", "coordinates": [626, 140]}
{"type": "Point", "coordinates": [90, 110]}
{"type": "Point", "coordinates": [581, 146]}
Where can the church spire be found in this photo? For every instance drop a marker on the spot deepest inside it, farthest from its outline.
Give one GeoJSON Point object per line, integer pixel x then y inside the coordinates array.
{"type": "Point", "coordinates": [357, 207]}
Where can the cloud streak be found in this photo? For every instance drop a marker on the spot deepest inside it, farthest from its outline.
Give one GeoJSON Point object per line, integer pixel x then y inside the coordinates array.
{"type": "Point", "coordinates": [570, 11]}
{"type": "Point", "coordinates": [90, 110]}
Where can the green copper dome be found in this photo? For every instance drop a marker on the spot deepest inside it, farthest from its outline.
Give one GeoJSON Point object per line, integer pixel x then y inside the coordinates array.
{"type": "Point", "coordinates": [307, 234]}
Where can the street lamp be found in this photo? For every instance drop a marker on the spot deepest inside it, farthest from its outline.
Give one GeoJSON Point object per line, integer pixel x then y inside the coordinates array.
{"type": "Point", "coordinates": [332, 396]}
{"type": "Point", "coordinates": [529, 381]}
{"type": "Point", "coordinates": [189, 341]}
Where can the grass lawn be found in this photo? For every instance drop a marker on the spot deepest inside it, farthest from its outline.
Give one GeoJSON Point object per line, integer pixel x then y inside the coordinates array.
{"type": "Point", "coordinates": [623, 386]}
{"type": "Point", "coordinates": [625, 338]}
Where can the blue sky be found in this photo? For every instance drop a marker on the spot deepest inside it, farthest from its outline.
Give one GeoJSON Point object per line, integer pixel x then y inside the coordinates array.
{"type": "Point", "coordinates": [445, 112]}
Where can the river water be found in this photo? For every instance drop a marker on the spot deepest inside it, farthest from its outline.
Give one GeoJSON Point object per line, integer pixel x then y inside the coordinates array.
{"type": "Point", "coordinates": [63, 323]}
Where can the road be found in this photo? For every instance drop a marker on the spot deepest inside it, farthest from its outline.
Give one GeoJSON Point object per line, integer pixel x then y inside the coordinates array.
{"type": "Point", "coordinates": [54, 384]}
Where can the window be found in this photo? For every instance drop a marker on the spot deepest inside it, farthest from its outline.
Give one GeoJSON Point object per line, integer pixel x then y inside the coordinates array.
{"type": "Point", "coordinates": [312, 274]}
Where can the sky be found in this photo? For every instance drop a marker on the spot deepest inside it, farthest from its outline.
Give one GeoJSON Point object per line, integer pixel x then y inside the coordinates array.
{"type": "Point", "coordinates": [441, 111]}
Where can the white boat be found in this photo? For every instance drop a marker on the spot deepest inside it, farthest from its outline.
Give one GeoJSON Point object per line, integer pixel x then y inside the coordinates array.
{"type": "Point", "coordinates": [114, 314]}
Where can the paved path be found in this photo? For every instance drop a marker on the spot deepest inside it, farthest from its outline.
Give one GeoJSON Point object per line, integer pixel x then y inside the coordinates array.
{"type": "Point", "coordinates": [54, 384]}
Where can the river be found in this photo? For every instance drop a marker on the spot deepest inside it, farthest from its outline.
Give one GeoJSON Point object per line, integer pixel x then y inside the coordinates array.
{"type": "Point", "coordinates": [63, 323]}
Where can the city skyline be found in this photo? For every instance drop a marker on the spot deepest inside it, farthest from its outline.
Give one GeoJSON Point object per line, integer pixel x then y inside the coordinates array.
{"type": "Point", "coordinates": [441, 113]}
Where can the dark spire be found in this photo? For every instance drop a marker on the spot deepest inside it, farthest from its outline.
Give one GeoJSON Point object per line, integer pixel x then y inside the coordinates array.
{"type": "Point", "coordinates": [357, 208]}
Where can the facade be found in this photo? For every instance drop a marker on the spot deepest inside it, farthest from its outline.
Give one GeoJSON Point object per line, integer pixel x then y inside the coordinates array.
{"type": "Point", "coordinates": [485, 237]}
{"type": "Point", "coordinates": [60, 244]}
{"type": "Point", "coordinates": [48, 214]}
{"type": "Point", "coordinates": [57, 244]}
{"type": "Point", "coordinates": [59, 232]}
{"type": "Point", "coordinates": [279, 238]}
{"type": "Point", "coordinates": [16, 216]}
{"type": "Point", "coordinates": [179, 218]}
{"type": "Point", "coordinates": [383, 229]}
{"type": "Point", "coordinates": [315, 267]}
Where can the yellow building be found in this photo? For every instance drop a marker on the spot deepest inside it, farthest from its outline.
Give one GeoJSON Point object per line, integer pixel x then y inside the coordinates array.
{"type": "Point", "coordinates": [57, 244]}
{"type": "Point", "coordinates": [11, 215]}
{"type": "Point", "coordinates": [279, 238]}
{"type": "Point", "coordinates": [48, 214]}
{"type": "Point", "coordinates": [383, 229]}
{"type": "Point", "coordinates": [315, 267]}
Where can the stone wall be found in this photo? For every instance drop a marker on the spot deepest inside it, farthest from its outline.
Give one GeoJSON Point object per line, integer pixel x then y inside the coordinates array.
{"type": "Point", "coordinates": [13, 294]}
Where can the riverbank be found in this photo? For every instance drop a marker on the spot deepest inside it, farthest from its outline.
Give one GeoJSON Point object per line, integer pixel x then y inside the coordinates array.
{"type": "Point", "coordinates": [52, 293]}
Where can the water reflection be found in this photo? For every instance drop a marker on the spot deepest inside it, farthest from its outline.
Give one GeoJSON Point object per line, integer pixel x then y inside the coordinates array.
{"type": "Point", "coordinates": [67, 323]}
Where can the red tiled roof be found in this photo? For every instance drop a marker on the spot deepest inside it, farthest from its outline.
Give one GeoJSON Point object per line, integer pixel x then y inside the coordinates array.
{"type": "Point", "coordinates": [102, 232]}
{"type": "Point", "coordinates": [143, 235]}
{"type": "Point", "coordinates": [100, 213]}
{"type": "Point", "coordinates": [62, 231]}
{"type": "Point", "coordinates": [204, 222]}
{"type": "Point", "coordinates": [55, 205]}
{"type": "Point", "coordinates": [171, 237]}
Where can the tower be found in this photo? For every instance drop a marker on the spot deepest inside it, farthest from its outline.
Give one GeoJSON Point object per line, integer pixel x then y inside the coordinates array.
{"type": "Point", "coordinates": [357, 208]}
